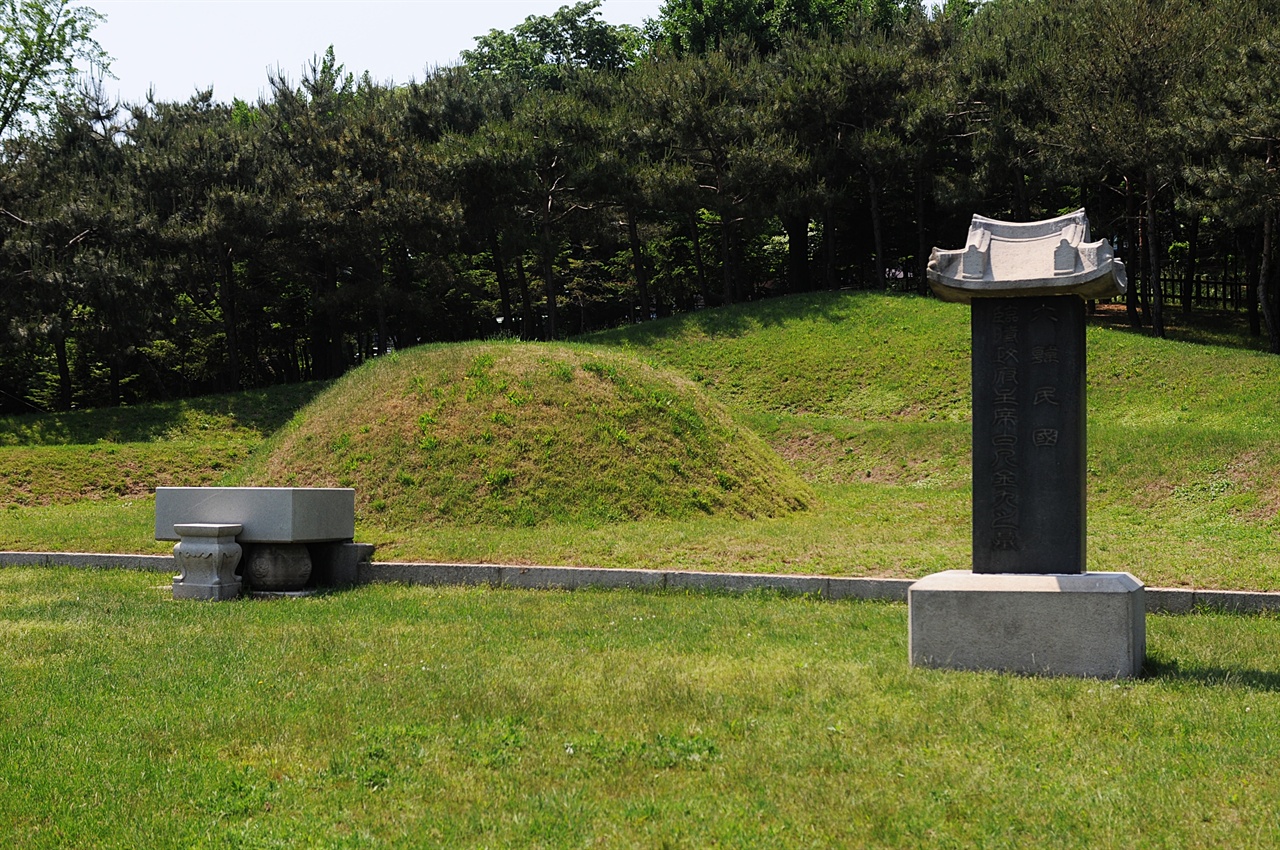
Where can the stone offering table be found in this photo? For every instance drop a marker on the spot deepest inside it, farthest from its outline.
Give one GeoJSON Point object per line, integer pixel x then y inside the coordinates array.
{"type": "Point", "coordinates": [1028, 604]}
{"type": "Point", "coordinates": [292, 537]}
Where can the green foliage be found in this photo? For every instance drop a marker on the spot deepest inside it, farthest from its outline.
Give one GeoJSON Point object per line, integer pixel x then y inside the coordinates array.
{"type": "Point", "coordinates": [554, 183]}
{"type": "Point", "coordinates": [705, 26]}
{"type": "Point", "coordinates": [41, 43]}
{"type": "Point", "coordinates": [542, 50]}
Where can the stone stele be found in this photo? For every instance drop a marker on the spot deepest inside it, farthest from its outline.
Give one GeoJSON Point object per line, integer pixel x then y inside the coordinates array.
{"type": "Point", "coordinates": [1028, 605]}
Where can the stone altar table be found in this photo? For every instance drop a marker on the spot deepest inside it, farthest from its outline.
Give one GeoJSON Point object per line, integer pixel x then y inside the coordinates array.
{"type": "Point", "coordinates": [292, 537]}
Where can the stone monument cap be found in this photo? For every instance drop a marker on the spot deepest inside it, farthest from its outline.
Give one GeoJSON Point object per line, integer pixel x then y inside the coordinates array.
{"type": "Point", "coordinates": [1003, 259]}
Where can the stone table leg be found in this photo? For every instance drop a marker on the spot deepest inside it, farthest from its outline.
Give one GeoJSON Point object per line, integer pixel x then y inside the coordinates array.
{"type": "Point", "coordinates": [207, 556]}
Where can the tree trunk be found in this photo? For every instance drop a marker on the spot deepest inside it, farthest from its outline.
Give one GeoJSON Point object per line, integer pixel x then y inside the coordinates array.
{"type": "Point", "coordinates": [877, 233]}
{"type": "Point", "coordinates": [1153, 253]}
{"type": "Point", "coordinates": [797, 227]}
{"type": "Point", "coordinates": [1021, 196]}
{"type": "Point", "coordinates": [699, 265]}
{"type": "Point", "coordinates": [384, 336]}
{"type": "Point", "coordinates": [726, 260]}
{"type": "Point", "coordinates": [924, 194]}
{"type": "Point", "coordinates": [113, 379]}
{"type": "Point", "coordinates": [1266, 294]}
{"type": "Point", "coordinates": [64, 366]}
{"type": "Point", "coordinates": [640, 266]}
{"type": "Point", "coordinates": [1252, 271]}
{"type": "Point", "coordinates": [324, 327]}
{"type": "Point", "coordinates": [1189, 274]}
{"type": "Point", "coordinates": [549, 279]}
{"type": "Point", "coordinates": [829, 246]}
{"type": "Point", "coordinates": [500, 272]}
{"type": "Point", "coordinates": [230, 326]}
{"type": "Point", "coordinates": [526, 300]}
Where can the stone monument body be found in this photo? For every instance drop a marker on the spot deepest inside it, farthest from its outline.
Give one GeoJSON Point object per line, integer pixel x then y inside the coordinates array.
{"type": "Point", "coordinates": [1028, 605]}
{"type": "Point", "coordinates": [1028, 435]}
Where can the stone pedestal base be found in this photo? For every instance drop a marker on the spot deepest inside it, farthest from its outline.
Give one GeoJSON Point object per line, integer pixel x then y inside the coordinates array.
{"type": "Point", "coordinates": [207, 554]}
{"type": "Point", "coordinates": [1090, 625]}
{"type": "Point", "coordinates": [338, 564]}
{"type": "Point", "coordinates": [277, 567]}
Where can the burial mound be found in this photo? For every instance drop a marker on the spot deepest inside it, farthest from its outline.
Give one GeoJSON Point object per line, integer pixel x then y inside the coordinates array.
{"type": "Point", "coordinates": [522, 434]}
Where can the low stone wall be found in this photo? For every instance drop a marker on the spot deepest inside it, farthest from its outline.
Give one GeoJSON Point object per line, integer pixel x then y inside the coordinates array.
{"type": "Point", "coordinates": [1159, 600]}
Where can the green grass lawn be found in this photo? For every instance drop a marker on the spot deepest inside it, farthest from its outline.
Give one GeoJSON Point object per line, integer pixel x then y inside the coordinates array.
{"type": "Point", "coordinates": [477, 717]}
{"type": "Point", "coordinates": [393, 716]}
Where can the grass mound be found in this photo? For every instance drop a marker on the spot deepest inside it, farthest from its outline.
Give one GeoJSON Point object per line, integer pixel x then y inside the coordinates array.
{"type": "Point", "coordinates": [519, 434]}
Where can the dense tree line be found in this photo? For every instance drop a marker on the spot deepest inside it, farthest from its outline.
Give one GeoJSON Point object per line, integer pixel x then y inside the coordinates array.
{"type": "Point", "coordinates": [569, 174]}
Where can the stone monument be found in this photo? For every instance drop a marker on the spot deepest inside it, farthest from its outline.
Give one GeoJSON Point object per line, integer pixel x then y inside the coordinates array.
{"type": "Point", "coordinates": [1028, 605]}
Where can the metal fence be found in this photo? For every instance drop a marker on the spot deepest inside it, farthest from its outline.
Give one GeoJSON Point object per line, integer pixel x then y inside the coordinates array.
{"type": "Point", "coordinates": [1206, 293]}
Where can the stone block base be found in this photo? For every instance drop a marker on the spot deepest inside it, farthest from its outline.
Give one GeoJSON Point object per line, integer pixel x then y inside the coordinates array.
{"type": "Point", "coordinates": [206, 592]}
{"type": "Point", "coordinates": [1090, 625]}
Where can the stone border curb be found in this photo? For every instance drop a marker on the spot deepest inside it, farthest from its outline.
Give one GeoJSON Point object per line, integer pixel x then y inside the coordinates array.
{"type": "Point", "coordinates": [87, 560]}
{"type": "Point", "coordinates": [574, 578]}
{"type": "Point", "coordinates": [1159, 600]}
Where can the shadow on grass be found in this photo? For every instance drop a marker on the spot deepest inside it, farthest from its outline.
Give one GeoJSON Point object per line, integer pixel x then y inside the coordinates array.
{"type": "Point", "coordinates": [1170, 670]}
{"type": "Point", "coordinates": [739, 319]}
{"type": "Point", "coordinates": [263, 410]}
{"type": "Point", "coordinates": [1222, 328]}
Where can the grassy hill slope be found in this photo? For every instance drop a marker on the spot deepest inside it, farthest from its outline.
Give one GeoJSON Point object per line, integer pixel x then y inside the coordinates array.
{"type": "Point", "coordinates": [864, 389]}
{"type": "Point", "coordinates": [62, 458]}
{"type": "Point", "coordinates": [864, 356]}
{"type": "Point", "coordinates": [864, 396]}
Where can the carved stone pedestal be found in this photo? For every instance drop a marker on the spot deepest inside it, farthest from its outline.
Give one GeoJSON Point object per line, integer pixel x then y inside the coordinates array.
{"type": "Point", "coordinates": [207, 555]}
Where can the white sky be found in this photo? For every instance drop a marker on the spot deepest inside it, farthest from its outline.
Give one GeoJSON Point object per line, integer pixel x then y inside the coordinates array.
{"type": "Point", "coordinates": [181, 46]}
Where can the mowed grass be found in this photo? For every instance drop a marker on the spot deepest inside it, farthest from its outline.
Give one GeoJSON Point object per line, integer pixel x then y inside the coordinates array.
{"type": "Point", "coordinates": [863, 396]}
{"type": "Point", "coordinates": [397, 716]}
{"type": "Point", "coordinates": [478, 717]}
